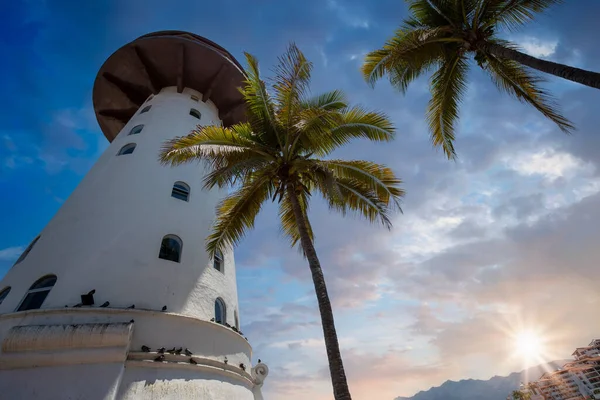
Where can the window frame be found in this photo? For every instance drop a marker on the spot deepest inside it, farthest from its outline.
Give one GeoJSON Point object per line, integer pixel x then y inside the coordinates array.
{"type": "Point", "coordinates": [177, 239]}
{"type": "Point", "coordinates": [185, 186]}
{"type": "Point", "coordinates": [33, 290]}
{"type": "Point", "coordinates": [131, 131]}
{"type": "Point", "coordinates": [223, 307]}
{"type": "Point", "coordinates": [146, 109]}
{"type": "Point", "coordinates": [221, 260]}
{"type": "Point", "coordinates": [125, 148]}
{"type": "Point", "coordinates": [4, 293]}
{"type": "Point", "coordinates": [193, 112]}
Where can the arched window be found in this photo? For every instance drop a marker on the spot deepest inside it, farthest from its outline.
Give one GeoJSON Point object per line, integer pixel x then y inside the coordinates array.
{"type": "Point", "coordinates": [3, 293]}
{"type": "Point", "coordinates": [219, 261]}
{"type": "Point", "coordinates": [27, 250]}
{"type": "Point", "coordinates": [220, 311]}
{"type": "Point", "coordinates": [136, 129]}
{"type": "Point", "coordinates": [181, 191]}
{"type": "Point", "coordinates": [237, 321]}
{"type": "Point", "coordinates": [195, 113]}
{"type": "Point", "coordinates": [127, 149]}
{"type": "Point", "coordinates": [146, 109]}
{"type": "Point", "coordinates": [170, 248]}
{"type": "Point", "coordinates": [37, 293]}
{"type": "Point", "coordinates": [195, 98]}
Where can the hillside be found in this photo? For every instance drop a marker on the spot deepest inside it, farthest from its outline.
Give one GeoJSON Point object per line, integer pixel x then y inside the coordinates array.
{"type": "Point", "coordinates": [496, 388]}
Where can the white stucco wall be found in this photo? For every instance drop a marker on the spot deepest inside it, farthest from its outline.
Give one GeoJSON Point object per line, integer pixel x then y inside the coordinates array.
{"type": "Point", "coordinates": [107, 235]}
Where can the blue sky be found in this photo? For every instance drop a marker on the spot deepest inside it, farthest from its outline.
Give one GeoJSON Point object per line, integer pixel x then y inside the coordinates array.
{"type": "Point", "coordinates": [506, 236]}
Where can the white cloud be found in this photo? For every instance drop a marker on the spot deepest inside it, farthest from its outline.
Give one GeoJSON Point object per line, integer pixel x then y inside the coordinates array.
{"type": "Point", "coordinates": [548, 163]}
{"type": "Point", "coordinates": [537, 47]}
{"type": "Point", "coordinates": [11, 253]}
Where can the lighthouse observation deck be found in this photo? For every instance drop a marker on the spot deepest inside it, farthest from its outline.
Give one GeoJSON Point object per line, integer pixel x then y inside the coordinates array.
{"type": "Point", "coordinates": [162, 59]}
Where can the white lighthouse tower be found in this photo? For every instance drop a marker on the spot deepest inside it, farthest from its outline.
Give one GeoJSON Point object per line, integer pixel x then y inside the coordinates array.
{"type": "Point", "coordinates": [117, 297]}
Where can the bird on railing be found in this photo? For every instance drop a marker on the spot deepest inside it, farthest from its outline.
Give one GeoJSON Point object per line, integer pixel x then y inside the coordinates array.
{"type": "Point", "coordinates": [172, 351]}
{"type": "Point", "coordinates": [131, 306]}
{"type": "Point", "coordinates": [164, 308]}
{"type": "Point", "coordinates": [105, 304]}
{"type": "Point", "coordinates": [188, 352]}
{"type": "Point", "coordinates": [226, 360]}
{"type": "Point", "coordinates": [178, 351]}
{"type": "Point", "coordinates": [145, 349]}
{"type": "Point", "coordinates": [161, 350]}
{"type": "Point", "coordinates": [212, 320]}
{"type": "Point", "coordinates": [160, 358]}
{"type": "Point", "coordinates": [242, 366]}
{"type": "Point", "coordinates": [192, 361]}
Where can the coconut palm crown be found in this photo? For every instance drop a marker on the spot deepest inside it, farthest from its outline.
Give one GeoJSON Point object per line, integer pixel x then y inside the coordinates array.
{"type": "Point", "coordinates": [281, 154]}
{"type": "Point", "coordinates": [442, 35]}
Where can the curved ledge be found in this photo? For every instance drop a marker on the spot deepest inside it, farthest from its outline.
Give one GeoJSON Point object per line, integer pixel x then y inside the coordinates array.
{"type": "Point", "coordinates": [183, 359]}
{"type": "Point", "coordinates": [72, 336]}
{"type": "Point", "coordinates": [127, 314]}
{"type": "Point", "coordinates": [203, 364]}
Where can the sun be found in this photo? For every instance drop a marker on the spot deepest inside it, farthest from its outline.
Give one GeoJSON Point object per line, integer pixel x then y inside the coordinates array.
{"type": "Point", "coordinates": [528, 345]}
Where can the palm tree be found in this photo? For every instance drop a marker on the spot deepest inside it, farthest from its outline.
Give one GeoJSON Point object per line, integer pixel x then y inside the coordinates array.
{"type": "Point", "coordinates": [442, 34]}
{"type": "Point", "coordinates": [279, 154]}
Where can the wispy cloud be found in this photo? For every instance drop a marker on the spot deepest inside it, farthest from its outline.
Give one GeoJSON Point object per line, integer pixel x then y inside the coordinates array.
{"type": "Point", "coordinates": [11, 253]}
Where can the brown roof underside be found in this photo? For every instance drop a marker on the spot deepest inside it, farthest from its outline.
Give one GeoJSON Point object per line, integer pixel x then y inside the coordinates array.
{"type": "Point", "coordinates": [161, 59]}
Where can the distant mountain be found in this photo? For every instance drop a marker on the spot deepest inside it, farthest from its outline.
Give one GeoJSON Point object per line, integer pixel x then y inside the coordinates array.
{"type": "Point", "coordinates": [496, 388]}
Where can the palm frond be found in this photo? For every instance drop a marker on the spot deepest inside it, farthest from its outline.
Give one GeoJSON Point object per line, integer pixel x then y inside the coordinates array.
{"type": "Point", "coordinates": [260, 109]}
{"type": "Point", "coordinates": [512, 14]}
{"type": "Point", "coordinates": [237, 212]}
{"type": "Point", "coordinates": [352, 196]}
{"type": "Point", "coordinates": [378, 178]}
{"type": "Point", "coordinates": [518, 81]}
{"type": "Point", "coordinates": [234, 169]}
{"type": "Point", "coordinates": [406, 55]}
{"type": "Point", "coordinates": [291, 80]}
{"type": "Point", "coordinates": [326, 132]}
{"type": "Point", "coordinates": [334, 100]}
{"type": "Point", "coordinates": [211, 144]}
{"type": "Point", "coordinates": [448, 85]}
{"type": "Point", "coordinates": [430, 13]}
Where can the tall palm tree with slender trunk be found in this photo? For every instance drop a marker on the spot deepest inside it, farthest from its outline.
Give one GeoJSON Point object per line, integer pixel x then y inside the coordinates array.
{"type": "Point", "coordinates": [442, 35]}
{"type": "Point", "coordinates": [281, 154]}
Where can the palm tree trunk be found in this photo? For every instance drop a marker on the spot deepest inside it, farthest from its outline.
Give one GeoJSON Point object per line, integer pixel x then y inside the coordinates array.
{"type": "Point", "coordinates": [588, 78]}
{"type": "Point", "coordinates": [336, 366]}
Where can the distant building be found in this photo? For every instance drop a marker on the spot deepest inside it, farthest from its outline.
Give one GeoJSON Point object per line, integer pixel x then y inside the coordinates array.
{"type": "Point", "coordinates": [576, 380]}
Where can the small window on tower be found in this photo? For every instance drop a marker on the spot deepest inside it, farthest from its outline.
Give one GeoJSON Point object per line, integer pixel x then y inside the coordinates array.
{"type": "Point", "coordinates": [136, 129]}
{"type": "Point", "coordinates": [195, 98]}
{"type": "Point", "coordinates": [27, 250]}
{"type": "Point", "coordinates": [218, 262]}
{"type": "Point", "coordinates": [37, 293]}
{"type": "Point", "coordinates": [127, 149]}
{"type": "Point", "coordinates": [170, 248]}
{"type": "Point", "coordinates": [146, 109]}
{"type": "Point", "coordinates": [3, 293]}
{"type": "Point", "coordinates": [195, 113]}
{"type": "Point", "coordinates": [220, 311]}
{"type": "Point", "coordinates": [181, 191]}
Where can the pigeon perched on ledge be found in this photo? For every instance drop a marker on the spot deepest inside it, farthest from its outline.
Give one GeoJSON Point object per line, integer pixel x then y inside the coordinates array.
{"type": "Point", "coordinates": [188, 352]}
{"type": "Point", "coordinates": [145, 349]}
{"type": "Point", "coordinates": [105, 304]}
{"type": "Point", "coordinates": [161, 350]}
{"type": "Point", "coordinates": [192, 361]}
{"type": "Point", "coordinates": [160, 358]}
